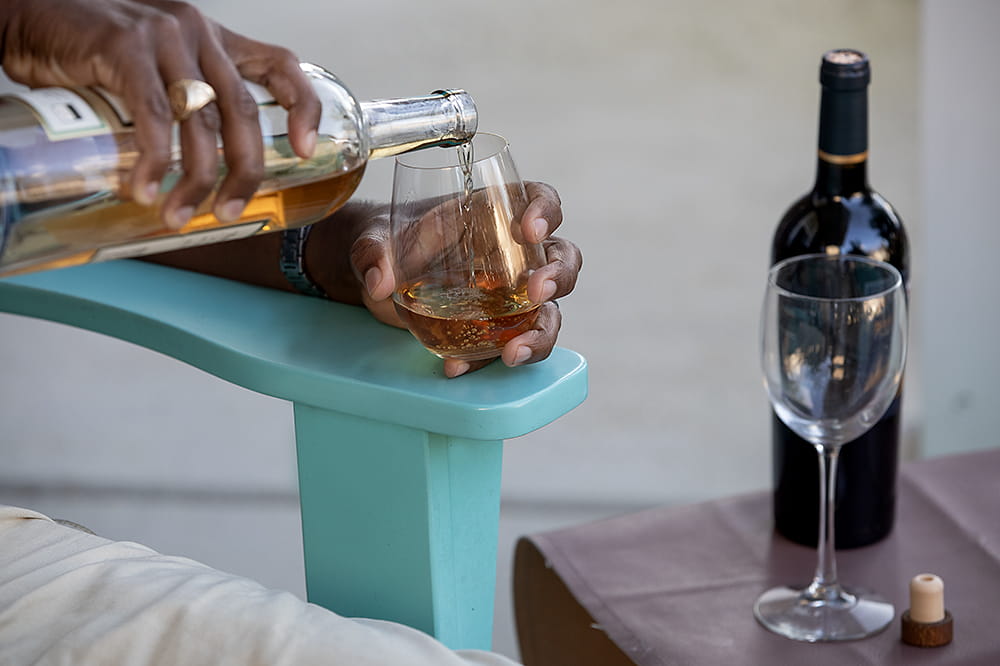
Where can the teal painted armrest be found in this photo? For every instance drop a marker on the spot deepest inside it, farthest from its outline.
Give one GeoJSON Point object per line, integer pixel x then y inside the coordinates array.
{"type": "Point", "coordinates": [305, 350]}
{"type": "Point", "coordinates": [399, 467]}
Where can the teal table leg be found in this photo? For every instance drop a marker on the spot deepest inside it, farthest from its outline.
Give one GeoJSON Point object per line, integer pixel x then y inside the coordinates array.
{"type": "Point", "coordinates": [400, 524]}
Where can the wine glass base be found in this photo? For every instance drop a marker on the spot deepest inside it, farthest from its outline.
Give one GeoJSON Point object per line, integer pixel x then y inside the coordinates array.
{"type": "Point", "coordinates": [850, 616]}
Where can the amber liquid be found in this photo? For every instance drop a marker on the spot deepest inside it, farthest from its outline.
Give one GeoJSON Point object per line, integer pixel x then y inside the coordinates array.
{"type": "Point", "coordinates": [465, 322]}
{"type": "Point", "coordinates": [99, 230]}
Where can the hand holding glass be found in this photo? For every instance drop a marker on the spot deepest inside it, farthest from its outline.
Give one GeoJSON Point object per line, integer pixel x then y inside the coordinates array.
{"type": "Point", "coordinates": [460, 261]}
{"type": "Point", "coordinates": [833, 348]}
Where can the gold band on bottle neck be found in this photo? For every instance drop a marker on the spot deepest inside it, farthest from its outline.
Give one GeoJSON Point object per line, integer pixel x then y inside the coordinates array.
{"type": "Point", "coordinates": [843, 160]}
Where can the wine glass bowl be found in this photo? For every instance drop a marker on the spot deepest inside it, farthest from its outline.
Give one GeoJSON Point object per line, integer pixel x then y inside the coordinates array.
{"type": "Point", "coordinates": [833, 347]}
{"type": "Point", "coordinates": [460, 260]}
{"type": "Point", "coordinates": [832, 366]}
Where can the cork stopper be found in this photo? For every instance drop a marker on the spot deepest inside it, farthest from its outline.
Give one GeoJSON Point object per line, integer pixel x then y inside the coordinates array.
{"type": "Point", "coordinates": [927, 623]}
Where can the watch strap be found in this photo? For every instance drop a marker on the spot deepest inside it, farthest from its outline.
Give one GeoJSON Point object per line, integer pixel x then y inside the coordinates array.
{"type": "Point", "coordinates": [293, 245]}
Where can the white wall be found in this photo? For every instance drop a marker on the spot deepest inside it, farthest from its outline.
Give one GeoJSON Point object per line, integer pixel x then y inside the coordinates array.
{"type": "Point", "coordinates": [960, 176]}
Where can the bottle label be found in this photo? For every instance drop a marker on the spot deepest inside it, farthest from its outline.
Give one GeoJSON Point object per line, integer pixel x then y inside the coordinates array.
{"type": "Point", "coordinates": [260, 94]}
{"type": "Point", "coordinates": [63, 113]}
{"type": "Point", "coordinates": [116, 104]}
{"type": "Point", "coordinates": [170, 243]}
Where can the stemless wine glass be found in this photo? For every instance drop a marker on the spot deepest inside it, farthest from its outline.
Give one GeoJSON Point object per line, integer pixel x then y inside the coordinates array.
{"type": "Point", "coordinates": [833, 347]}
{"type": "Point", "coordinates": [460, 260]}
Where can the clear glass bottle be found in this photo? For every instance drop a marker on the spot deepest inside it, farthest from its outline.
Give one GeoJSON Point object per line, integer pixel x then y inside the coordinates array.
{"type": "Point", "coordinates": [66, 157]}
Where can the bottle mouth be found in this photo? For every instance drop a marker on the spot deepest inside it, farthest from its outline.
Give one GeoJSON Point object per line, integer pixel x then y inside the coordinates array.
{"type": "Point", "coordinates": [845, 69]}
{"type": "Point", "coordinates": [465, 111]}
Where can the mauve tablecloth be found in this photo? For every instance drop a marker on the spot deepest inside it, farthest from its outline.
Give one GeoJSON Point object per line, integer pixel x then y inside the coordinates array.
{"type": "Point", "coordinates": [676, 585]}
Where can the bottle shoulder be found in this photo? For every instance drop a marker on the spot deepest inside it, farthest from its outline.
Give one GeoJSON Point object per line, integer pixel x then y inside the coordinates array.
{"type": "Point", "coordinates": [862, 223]}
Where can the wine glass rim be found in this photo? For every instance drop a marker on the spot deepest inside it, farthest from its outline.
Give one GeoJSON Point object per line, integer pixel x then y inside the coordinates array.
{"type": "Point", "coordinates": [897, 277]}
{"type": "Point", "coordinates": [407, 159]}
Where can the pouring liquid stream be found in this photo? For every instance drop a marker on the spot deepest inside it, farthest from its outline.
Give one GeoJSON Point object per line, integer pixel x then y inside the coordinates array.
{"type": "Point", "coordinates": [465, 159]}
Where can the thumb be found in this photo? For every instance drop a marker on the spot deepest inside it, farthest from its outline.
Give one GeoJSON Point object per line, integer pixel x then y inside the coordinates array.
{"type": "Point", "coordinates": [371, 264]}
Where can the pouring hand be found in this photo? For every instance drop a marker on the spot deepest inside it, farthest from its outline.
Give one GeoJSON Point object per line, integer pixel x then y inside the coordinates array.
{"type": "Point", "coordinates": [135, 49]}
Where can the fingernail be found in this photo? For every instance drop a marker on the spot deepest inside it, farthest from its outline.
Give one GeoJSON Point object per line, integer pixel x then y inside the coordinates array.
{"type": "Point", "coordinates": [458, 369]}
{"type": "Point", "coordinates": [522, 355]}
{"type": "Point", "coordinates": [180, 217]}
{"type": "Point", "coordinates": [548, 290]}
{"type": "Point", "coordinates": [146, 194]}
{"type": "Point", "coordinates": [372, 278]}
{"type": "Point", "coordinates": [310, 146]}
{"type": "Point", "coordinates": [230, 210]}
{"type": "Point", "coordinates": [541, 227]}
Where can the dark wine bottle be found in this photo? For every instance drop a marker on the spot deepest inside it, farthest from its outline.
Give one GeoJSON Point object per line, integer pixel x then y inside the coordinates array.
{"type": "Point", "coordinates": [842, 214]}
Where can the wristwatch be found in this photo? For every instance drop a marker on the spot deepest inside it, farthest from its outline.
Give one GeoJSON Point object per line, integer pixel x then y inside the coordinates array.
{"type": "Point", "coordinates": [293, 245]}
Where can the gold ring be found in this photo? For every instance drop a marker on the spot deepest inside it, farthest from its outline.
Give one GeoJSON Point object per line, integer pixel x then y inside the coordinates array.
{"type": "Point", "coordinates": [187, 96]}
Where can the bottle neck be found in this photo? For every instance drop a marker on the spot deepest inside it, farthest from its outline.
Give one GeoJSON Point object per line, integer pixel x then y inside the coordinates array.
{"type": "Point", "coordinates": [843, 142]}
{"type": "Point", "coordinates": [840, 179]}
{"type": "Point", "coordinates": [444, 118]}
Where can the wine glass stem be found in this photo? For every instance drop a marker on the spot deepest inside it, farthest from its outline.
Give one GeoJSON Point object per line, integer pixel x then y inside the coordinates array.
{"type": "Point", "coordinates": [824, 584]}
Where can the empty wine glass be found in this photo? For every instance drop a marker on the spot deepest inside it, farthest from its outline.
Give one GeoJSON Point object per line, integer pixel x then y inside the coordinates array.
{"type": "Point", "coordinates": [833, 348]}
{"type": "Point", "coordinates": [460, 260]}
